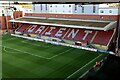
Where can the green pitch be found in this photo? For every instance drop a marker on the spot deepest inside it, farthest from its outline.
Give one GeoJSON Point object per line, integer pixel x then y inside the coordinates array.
{"type": "Point", "coordinates": [24, 58]}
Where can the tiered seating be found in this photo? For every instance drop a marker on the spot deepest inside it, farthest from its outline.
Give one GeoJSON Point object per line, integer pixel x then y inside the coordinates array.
{"type": "Point", "coordinates": [103, 37]}
{"type": "Point", "coordinates": [33, 29]}
{"type": "Point", "coordinates": [23, 27]}
{"type": "Point", "coordinates": [82, 35]}
{"type": "Point", "coordinates": [87, 37]}
{"type": "Point", "coordinates": [73, 34]}
{"type": "Point", "coordinates": [61, 32]}
{"type": "Point", "coordinates": [51, 31]}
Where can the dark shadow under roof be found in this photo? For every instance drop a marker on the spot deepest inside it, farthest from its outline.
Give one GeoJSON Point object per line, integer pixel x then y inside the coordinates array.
{"type": "Point", "coordinates": [75, 23]}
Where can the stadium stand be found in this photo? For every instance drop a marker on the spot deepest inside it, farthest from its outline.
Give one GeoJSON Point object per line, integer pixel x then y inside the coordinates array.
{"type": "Point", "coordinates": [75, 34]}
{"type": "Point", "coordinates": [103, 37]}
{"type": "Point", "coordinates": [96, 34]}
{"type": "Point", "coordinates": [22, 27]}
{"type": "Point", "coordinates": [32, 29]}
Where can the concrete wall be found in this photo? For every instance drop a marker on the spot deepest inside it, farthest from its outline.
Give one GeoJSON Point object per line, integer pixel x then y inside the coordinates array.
{"type": "Point", "coordinates": [74, 9]}
{"type": "Point", "coordinates": [28, 10]}
{"type": "Point", "coordinates": [40, 8]}
{"type": "Point", "coordinates": [108, 11]}
{"type": "Point", "coordinates": [37, 8]}
{"type": "Point", "coordinates": [62, 8]}
{"type": "Point", "coordinates": [1, 8]}
{"type": "Point", "coordinates": [119, 10]}
{"type": "Point", "coordinates": [88, 9]}
{"type": "Point", "coordinates": [44, 8]}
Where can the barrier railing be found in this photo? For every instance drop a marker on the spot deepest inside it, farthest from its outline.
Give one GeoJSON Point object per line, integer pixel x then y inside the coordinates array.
{"type": "Point", "coordinates": [57, 43]}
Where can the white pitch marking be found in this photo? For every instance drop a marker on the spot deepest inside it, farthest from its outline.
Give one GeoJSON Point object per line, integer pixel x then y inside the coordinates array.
{"type": "Point", "coordinates": [6, 50]}
{"type": "Point", "coordinates": [27, 53]}
{"type": "Point", "coordinates": [38, 55]}
{"type": "Point", "coordinates": [61, 53]}
{"type": "Point", "coordinates": [50, 46]}
{"type": "Point", "coordinates": [82, 67]}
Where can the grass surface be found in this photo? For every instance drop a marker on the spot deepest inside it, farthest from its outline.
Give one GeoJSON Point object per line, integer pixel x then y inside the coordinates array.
{"type": "Point", "coordinates": [24, 58]}
{"type": "Point", "coordinates": [0, 56]}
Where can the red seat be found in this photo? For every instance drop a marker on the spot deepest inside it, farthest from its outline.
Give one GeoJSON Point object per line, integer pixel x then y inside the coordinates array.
{"type": "Point", "coordinates": [25, 26]}
{"type": "Point", "coordinates": [103, 37]}
{"type": "Point", "coordinates": [52, 31]}
{"type": "Point", "coordinates": [76, 34]}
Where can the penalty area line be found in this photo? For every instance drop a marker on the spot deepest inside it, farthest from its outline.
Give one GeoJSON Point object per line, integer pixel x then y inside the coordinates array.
{"type": "Point", "coordinates": [26, 52]}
